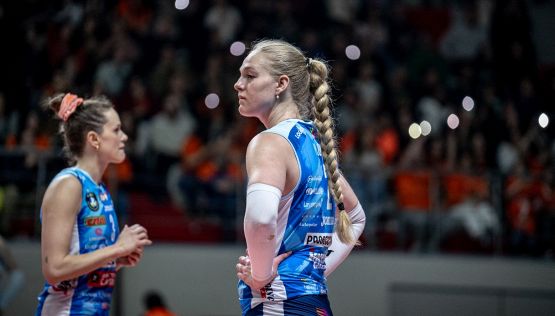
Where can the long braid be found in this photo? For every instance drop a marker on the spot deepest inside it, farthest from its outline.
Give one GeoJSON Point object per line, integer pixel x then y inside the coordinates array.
{"type": "Point", "coordinates": [319, 87]}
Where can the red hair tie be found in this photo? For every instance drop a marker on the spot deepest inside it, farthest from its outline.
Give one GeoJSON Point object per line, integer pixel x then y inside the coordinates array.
{"type": "Point", "coordinates": [69, 103]}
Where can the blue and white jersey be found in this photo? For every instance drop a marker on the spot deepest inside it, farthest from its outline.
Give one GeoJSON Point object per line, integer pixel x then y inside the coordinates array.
{"type": "Point", "coordinates": [96, 227]}
{"type": "Point", "coordinates": [306, 218]}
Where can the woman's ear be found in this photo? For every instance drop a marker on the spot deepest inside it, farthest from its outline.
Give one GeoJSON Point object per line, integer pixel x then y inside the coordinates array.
{"type": "Point", "coordinates": [93, 139]}
{"type": "Point", "coordinates": [282, 84]}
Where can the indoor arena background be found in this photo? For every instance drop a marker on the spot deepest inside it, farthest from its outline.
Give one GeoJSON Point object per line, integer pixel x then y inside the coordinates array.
{"type": "Point", "coordinates": [445, 114]}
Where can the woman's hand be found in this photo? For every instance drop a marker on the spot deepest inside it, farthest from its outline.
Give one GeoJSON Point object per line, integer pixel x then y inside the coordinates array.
{"type": "Point", "coordinates": [243, 268]}
{"type": "Point", "coordinates": [130, 260]}
{"type": "Point", "coordinates": [131, 240]}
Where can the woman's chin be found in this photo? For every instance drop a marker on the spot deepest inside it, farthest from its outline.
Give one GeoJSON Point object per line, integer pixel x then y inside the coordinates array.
{"type": "Point", "coordinates": [242, 110]}
{"type": "Point", "coordinates": [121, 158]}
{"type": "Point", "coordinates": [245, 112]}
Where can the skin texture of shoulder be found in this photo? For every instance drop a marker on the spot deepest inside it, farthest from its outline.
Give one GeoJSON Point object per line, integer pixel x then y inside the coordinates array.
{"type": "Point", "coordinates": [270, 160]}
{"type": "Point", "coordinates": [66, 189]}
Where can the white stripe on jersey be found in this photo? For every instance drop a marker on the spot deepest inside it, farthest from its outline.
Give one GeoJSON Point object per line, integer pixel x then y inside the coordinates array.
{"type": "Point", "coordinates": [57, 304]}
{"type": "Point", "coordinates": [275, 293]}
{"type": "Point", "coordinates": [74, 246]}
{"type": "Point", "coordinates": [273, 309]}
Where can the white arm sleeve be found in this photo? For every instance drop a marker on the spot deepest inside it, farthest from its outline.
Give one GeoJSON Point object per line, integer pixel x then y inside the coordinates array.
{"type": "Point", "coordinates": [260, 228]}
{"type": "Point", "coordinates": [338, 251]}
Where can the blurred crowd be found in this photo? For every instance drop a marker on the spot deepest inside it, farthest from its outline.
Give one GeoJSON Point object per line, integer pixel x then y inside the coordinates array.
{"type": "Point", "coordinates": [484, 183]}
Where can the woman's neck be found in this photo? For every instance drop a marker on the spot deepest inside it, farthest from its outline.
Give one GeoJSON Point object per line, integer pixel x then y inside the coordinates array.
{"type": "Point", "coordinates": [281, 113]}
{"type": "Point", "coordinates": [92, 167]}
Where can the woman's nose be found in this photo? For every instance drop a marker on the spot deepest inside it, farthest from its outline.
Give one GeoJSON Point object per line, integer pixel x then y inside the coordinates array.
{"type": "Point", "coordinates": [238, 85]}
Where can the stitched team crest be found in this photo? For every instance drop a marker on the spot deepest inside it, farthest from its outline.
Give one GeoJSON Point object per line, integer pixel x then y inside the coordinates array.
{"type": "Point", "coordinates": [92, 201]}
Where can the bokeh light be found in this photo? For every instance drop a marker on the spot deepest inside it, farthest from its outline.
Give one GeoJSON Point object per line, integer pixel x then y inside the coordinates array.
{"type": "Point", "coordinates": [237, 48]}
{"type": "Point", "coordinates": [352, 52]}
{"type": "Point", "coordinates": [415, 131]}
{"type": "Point", "coordinates": [468, 103]}
{"type": "Point", "coordinates": [543, 120]}
{"type": "Point", "coordinates": [453, 121]}
{"type": "Point", "coordinates": [426, 128]}
{"type": "Point", "coordinates": [212, 101]}
{"type": "Point", "coordinates": [181, 4]}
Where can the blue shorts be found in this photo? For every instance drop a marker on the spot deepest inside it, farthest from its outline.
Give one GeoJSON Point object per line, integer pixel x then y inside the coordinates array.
{"type": "Point", "coordinates": [306, 305]}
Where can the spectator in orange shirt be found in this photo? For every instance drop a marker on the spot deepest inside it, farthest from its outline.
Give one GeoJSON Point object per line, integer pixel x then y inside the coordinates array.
{"type": "Point", "coordinates": [155, 305]}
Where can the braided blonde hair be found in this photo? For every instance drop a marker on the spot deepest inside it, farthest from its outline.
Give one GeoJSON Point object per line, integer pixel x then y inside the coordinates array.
{"type": "Point", "coordinates": [310, 91]}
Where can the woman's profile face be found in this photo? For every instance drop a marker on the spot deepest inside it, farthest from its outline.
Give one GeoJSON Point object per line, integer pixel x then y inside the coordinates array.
{"type": "Point", "coordinates": [112, 138]}
{"type": "Point", "coordinates": [256, 88]}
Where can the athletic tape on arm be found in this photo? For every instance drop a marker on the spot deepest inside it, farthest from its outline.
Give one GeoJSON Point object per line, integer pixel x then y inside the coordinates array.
{"type": "Point", "coordinates": [260, 228]}
{"type": "Point", "coordinates": [339, 250]}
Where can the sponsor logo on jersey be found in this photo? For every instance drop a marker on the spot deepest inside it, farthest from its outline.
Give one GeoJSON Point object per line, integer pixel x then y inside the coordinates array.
{"type": "Point", "coordinates": [97, 238]}
{"type": "Point", "coordinates": [97, 243]}
{"type": "Point", "coordinates": [299, 133]}
{"type": "Point", "coordinates": [92, 201]}
{"type": "Point", "coordinates": [314, 178]}
{"type": "Point", "coordinates": [100, 278]}
{"type": "Point", "coordinates": [312, 204]}
{"type": "Point", "coordinates": [65, 286]}
{"type": "Point", "coordinates": [318, 239]}
{"type": "Point", "coordinates": [318, 259]}
{"type": "Point", "coordinates": [310, 287]}
{"type": "Point", "coordinates": [103, 196]}
{"type": "Point", "coordinates": [267, 292]}
{"type": "Point", "coordinates": [328, 220]}
{"type": "Point", "coordinates": [303, 224]}
{"type": "Point", "coordinates": [95, 221]}
{"type": "Point", "coordinates": [311, 191]}
{"type": "Point", "coordinates": [108, 207]}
